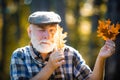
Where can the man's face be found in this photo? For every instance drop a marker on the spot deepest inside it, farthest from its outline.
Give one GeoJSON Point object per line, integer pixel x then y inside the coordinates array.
{"type": "Point", "coordinates": [42, 37]}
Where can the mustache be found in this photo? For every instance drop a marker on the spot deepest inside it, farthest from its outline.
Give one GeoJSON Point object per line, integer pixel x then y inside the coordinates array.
{"type": "Point", "coordinates": [45, 41]}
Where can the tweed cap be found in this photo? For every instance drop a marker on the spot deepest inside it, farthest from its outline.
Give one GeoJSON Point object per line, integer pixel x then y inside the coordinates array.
{"type": "Point", "coordinates": [44, 17]}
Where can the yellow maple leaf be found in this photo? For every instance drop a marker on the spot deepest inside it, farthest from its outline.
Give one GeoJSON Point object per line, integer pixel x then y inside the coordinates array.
{"type": "Point", "coordinates": [106, 30]}
{"type": "Point", "coordinates": [59, 38]}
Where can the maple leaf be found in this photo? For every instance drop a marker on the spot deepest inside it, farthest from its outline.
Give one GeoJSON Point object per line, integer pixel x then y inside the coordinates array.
{"type": "Point", "coordinates": [106, 30]}
{"type": "Point", "coordinates": [59, 38]}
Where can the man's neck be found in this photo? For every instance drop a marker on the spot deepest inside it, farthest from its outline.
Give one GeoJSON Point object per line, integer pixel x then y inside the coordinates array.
{"type": "Point", "coordinates": [44, 55]}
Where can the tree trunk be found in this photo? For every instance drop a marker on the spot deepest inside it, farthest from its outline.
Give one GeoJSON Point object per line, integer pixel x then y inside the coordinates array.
{"type": "Point", "coordinates": [4, 28]}
{"type": "Point", "coordinates": [113, 63]}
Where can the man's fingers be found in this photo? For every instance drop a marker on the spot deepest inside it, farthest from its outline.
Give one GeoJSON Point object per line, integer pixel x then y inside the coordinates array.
{"type": "Point", "coordinates": [110, 43]}
{"type": "Point", "coordinates": [59, 58]}
{"type": "Point", "coordinates": [59, 63]}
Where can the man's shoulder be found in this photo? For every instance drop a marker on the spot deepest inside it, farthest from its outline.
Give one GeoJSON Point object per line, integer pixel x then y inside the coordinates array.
{"type": "Point", "coordinates": [70, 48]}
{"type": "Point", "coordinates": [21, 52]}
{"type": "Point", "coordinates": [74, 53]}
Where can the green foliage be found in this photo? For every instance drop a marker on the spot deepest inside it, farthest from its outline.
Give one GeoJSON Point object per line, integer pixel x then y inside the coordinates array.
{"type": "Point", "coordinates": [15, 36]}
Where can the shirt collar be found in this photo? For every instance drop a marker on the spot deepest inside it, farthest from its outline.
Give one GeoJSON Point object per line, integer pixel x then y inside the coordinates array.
{"type": "Point", "coordinates": [36, 55]}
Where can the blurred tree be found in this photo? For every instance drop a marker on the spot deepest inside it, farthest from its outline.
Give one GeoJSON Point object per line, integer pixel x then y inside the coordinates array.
{"type": "Point", "coordinates": [73, 14]}
{"type": "Point", "coordinates": [112, 64]}
{"type": "Point", "coordinates": [77, 23]}
{"type": "Point", "coordinates": [93, 40]}
{"type": "Point", "coordinates": [12, 33]}
{"type": "Point", "coordinates": [4, 28]}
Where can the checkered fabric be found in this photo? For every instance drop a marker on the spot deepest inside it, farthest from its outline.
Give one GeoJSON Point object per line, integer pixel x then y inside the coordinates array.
{"type": "Point", "coordinates": [25, 64]}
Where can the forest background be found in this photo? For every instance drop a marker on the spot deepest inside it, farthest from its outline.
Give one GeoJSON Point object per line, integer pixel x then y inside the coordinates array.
{"type": "Point", "coordinates": [79, 19]}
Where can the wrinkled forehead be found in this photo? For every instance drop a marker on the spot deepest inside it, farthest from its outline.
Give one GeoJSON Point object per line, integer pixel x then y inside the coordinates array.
{"type": "Point", "coordinates": [44, 26]}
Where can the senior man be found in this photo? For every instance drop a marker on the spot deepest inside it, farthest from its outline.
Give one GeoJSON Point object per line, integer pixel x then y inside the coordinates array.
{"type": "Point", "coordinates": [41, 61]}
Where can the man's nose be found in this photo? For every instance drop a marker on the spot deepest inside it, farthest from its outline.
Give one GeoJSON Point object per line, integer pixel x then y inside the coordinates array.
{"type": "Point", "coordinates": [46, 34]}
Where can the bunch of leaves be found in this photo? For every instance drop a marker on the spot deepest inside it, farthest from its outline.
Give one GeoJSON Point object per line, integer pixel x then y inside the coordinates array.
{"type": "Point", "coordinates": [59, 38]}
{"type": "Point", "coordinates": [106, 30]}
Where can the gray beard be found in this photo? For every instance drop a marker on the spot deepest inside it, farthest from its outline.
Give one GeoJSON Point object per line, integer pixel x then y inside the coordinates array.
{"type": "Point", "coordinates": [42, 48]}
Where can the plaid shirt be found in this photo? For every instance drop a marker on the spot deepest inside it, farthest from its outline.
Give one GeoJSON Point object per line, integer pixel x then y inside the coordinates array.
{"type": "Point", "coordinates": [25, 64]}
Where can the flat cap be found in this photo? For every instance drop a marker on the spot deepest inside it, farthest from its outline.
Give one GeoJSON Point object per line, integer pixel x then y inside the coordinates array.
{"type": "Point", "coordinates": [44, 17]}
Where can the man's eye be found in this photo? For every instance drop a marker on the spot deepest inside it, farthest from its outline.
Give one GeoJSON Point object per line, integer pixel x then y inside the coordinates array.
{"type": "Point", "coordinates": [52, 31]}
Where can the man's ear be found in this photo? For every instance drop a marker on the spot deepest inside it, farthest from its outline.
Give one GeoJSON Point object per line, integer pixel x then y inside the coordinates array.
{"type": "Point", "coordinates": [29, 32]}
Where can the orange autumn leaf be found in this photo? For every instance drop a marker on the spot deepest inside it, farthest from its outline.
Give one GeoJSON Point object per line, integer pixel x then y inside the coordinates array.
{"type": "Point", "coordinates": [59, 38]}
{"type": "Point", "coordinates": [106, 30]}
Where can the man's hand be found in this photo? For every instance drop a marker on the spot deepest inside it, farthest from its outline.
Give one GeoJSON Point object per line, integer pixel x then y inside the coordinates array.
{"type": "Point", "coordinates": [107, 50]}
{"type": "Point", "coordinates": [56, 59]}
